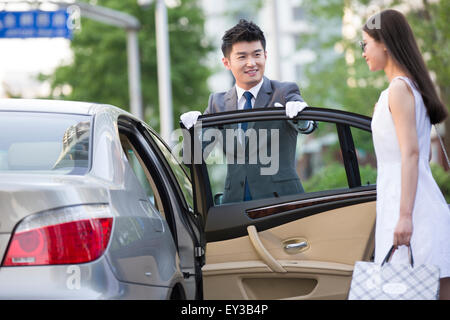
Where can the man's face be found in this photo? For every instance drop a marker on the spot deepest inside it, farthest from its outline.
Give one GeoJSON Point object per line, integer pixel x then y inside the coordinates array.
{"type": "Point", "coordinates": [247, 61]}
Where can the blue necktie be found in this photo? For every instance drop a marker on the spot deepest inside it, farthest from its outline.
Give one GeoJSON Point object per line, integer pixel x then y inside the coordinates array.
{"type": "Point", "coordinates": [248, 105]}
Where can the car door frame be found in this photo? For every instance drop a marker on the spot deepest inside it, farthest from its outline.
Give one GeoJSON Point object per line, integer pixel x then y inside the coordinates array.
{"type": "Point", "coordinates": [220, 224]}
{"type": "Point", "coordinates": [161, 172]}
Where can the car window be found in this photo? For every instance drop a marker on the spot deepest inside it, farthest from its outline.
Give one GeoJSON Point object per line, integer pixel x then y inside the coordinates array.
{"type": "Point", "coordinates": [180, 171]}
{"type": "Point", "coordinates": [44, 143]}
{"type": "Point", "coordinates": [271, 159]}
{"type": "Point", "coordinates": [141, 172]}
{"type": "Point", "coordinates": [365, 153]}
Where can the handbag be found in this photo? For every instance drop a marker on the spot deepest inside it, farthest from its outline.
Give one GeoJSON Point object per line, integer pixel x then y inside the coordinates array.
{"type": "Point", "coordinates": [372, 281]}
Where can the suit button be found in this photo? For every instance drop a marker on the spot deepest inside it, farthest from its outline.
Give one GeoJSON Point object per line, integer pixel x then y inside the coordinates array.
{"type": "Point", "coordinates": [242, 183]}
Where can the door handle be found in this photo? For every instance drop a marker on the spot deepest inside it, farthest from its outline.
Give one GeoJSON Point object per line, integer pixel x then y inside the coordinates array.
{"type": "Point", "coordinates": [298, 245]}
{"type": "Point", "coordinates": [273, 264]}
{"type": "Point", "coordinates": [295, 245]}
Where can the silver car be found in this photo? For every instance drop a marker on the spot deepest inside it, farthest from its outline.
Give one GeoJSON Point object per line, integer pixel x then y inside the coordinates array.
{"type": "Point", "coordinates": [90, 207]}
{"type": "Point", "coordinates": [94, 205]}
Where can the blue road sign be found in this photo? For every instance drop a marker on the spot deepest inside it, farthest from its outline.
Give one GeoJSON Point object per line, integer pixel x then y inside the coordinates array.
{"type": "Point", "coordinates": [35, 24]}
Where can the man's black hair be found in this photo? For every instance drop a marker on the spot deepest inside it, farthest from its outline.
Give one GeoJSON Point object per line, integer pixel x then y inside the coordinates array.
{"type": "Point", "coordinates": [243, 31]}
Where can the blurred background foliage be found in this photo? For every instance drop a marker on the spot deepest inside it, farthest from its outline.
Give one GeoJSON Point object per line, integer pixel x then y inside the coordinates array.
{"type": "Point", "coordinates": [442, 179]}
{"type": "Point", "coordinates": [333, 176]}
{"type": "Point", "coordinates": [100, 51]}
{"type": "Point", "coordinates": [337, 78]}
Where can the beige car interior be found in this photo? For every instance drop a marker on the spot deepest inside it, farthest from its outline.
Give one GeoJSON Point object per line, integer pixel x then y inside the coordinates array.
{"type": "Point", "coordinates": [310, 258]}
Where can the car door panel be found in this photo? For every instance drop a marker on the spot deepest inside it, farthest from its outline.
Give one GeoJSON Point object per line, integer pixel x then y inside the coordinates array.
{"type": "Point", "coordinates": [235, 267]}
{"type": "Point", "coordinates": [231, 220]}
{"type": "Point", "coordinates": [304, 280]}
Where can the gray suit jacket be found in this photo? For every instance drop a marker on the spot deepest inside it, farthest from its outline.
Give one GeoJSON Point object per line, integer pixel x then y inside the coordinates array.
{"type": "Point", "coordinates": [285, 181]}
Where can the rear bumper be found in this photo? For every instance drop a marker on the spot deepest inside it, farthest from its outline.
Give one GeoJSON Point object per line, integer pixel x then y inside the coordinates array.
{"type": "Point", "coordinates": [87, 281]}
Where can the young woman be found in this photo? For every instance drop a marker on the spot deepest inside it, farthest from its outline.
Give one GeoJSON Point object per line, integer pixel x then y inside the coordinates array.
{"type": "Point", "coordinates": [411, 210]}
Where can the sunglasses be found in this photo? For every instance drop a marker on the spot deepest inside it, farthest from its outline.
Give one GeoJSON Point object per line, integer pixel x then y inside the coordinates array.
{"type": "Point", "coordinates": [363, 45]}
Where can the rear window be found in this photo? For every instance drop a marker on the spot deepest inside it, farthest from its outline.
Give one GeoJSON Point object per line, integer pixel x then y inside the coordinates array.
{"type": "Point", "coordinates": [44, 143]}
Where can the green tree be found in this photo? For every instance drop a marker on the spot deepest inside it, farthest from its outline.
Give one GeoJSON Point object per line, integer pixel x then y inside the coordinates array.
{"type": "Point", "coordinates": [339, 77]}
{"type": "Point", "coordinates": [98, 71]}
{"type": "Point", "coordinates": [431, 27]}
{"type": "Point", "coordinates": [442, 179]}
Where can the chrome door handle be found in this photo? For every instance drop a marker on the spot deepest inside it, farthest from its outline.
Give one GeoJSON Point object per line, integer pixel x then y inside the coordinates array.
{"type": "Point", "coordinates": [297, 245]}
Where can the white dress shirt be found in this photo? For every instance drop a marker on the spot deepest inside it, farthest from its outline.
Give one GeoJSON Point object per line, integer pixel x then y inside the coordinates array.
{"type": "Point", "coordinates": [240, 94]}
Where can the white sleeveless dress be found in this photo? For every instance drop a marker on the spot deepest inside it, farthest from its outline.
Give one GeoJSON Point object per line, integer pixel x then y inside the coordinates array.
{"type": "Point", "coordinates": [430, 241]}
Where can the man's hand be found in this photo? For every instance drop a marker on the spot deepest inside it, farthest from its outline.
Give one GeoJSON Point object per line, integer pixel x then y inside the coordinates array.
{"type": "Point", "coordinates": [189, 118]}
{"type": "Point", "coordinates": [295, 107]}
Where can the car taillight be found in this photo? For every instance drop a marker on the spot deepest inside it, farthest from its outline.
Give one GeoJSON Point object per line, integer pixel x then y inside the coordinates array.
{"type": "Point", "coordinates": [64, 236]}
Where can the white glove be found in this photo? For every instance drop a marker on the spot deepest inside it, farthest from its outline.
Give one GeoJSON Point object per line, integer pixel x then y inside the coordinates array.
{"type": "Point", "coordinates": [189, 118]}
{"type": "Point", "coordinates": [294, 107]}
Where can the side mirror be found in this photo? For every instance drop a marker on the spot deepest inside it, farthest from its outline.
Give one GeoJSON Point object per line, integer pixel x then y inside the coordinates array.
{"type": "Point", "coordinates": [306, 126]}
{"type": "Point", "coordinates": [218, 198]}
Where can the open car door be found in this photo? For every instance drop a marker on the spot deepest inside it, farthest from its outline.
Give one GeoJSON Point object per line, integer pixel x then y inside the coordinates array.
{"type": "Point", "coordinates": [307, 221]}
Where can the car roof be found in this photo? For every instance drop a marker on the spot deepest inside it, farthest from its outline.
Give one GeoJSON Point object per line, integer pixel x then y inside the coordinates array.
{"type": "Point", "coordinates": [56, 106]}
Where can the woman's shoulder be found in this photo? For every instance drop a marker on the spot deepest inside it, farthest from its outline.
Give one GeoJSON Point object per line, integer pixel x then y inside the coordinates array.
{"type": "Point", "coordinates": [401, 85]}
{"type": "Point", "coordinates": [400, 88]}
{"type": "Point", "coordinates": [400, 95]}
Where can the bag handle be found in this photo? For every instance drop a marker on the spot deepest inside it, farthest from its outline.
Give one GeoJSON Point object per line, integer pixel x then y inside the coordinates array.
{"type": "Point", "coordinates": [442, 146]}
{"type": "Point", "coordinates": [391, 253]}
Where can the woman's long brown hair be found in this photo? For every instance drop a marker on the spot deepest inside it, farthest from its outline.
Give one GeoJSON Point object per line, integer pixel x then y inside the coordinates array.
{"type": "Point", "coordinates": [393, 30]}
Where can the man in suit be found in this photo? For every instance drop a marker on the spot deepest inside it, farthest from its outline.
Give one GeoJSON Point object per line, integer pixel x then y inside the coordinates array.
{"type": "Point", "coordinates": [244, 50]}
